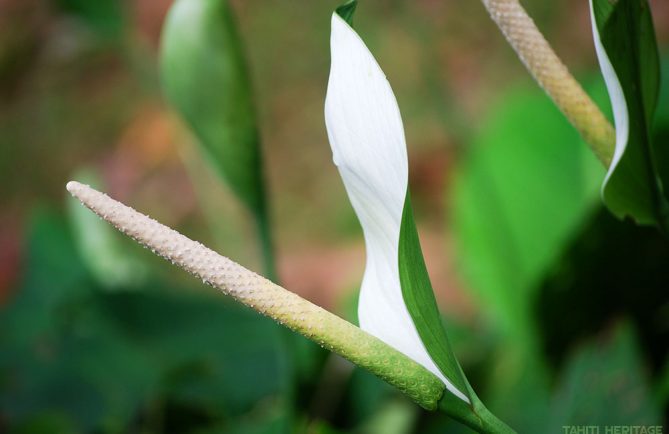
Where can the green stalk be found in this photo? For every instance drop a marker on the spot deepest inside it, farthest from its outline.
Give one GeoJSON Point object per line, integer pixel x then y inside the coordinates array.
{"type": "Point", "coordinates": [475, 415]}
{"type": "Point", "coordinates": [485, 422]}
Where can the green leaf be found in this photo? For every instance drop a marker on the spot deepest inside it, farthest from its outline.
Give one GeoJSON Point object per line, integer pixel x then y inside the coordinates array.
{"type": "Point", "coordinates": [522, 191]}
{"type": "Point", "coordinates": [420, 301]}
{"type": "Point", "coordinates": [205, 78]}
{"type": "Point", "coordinates": [104, 17]}
{"type": "Point", "coordinates": [214, 355]}
{"type": "Point", "coordinates": [269, 418]}
{"type": "Point", "coordinates": [347, 10]}
{"type": "Point", "coordinates": [661, 121]}
{"type": "Point", "coordinates": [605, 383]}
{"type": "Point", "coordinates": [99, 361]}
{"type": "Point", "coordinates": [108, 255]}
{"type": "Point", "coordinates": [393, 417]}
{"type": "Point", "coordinates": [624, 28]}
{"type": "Point", "coordinates": [53, 279]}
{"type": "Point", "coordinates": [365, 395]}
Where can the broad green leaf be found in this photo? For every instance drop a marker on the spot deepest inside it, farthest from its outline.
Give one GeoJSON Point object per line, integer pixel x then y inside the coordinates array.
{"type": "Point", "coordinates": [420, 301]}
{"type": "Point", "coordinates": [661, 121]}
{"type": "Point", "coordinates": [627, 51]}
{"type": "Point", "coordinates": [365, 394]}
{"type": "Point", "coordinates": [50, 311]}
{"type": "Point", "coordinates": [521, 192]}
{"type": "Point", "coordinates": [97, 360]}
{"type": "Point", "coordinates": [108, 256]}
{"type": "Point", "coordinates": [605, 383]}
{"type": "Point", "coordinates": [51, 279]}
{"type": "Point", "coordinates": [215, 355]}
{"type": "Point", "coordinates": [205, 78]}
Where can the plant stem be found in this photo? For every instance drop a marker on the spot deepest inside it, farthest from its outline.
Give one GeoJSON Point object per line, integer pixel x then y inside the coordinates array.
{"type": "Point", "coordinates": [476, 415]}
{"type": "Point", "coordinates": [553, 76]}
{"type": "Point", "coordinates": [488, 423]}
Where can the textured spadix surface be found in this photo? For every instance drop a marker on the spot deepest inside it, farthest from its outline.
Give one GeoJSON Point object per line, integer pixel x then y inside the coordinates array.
{"type": "Point", "coordinates": [269, 299]}
{"type": "Point", "coordinates": [553, 76]}
{"type": "Point", "coordinates": [368, 145]}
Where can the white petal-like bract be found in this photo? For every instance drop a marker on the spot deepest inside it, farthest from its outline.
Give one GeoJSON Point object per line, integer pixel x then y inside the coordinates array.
{"type": "Point", "coordinates": [367, 139]}
{"type": "Point", "coordinates": [616, 95]}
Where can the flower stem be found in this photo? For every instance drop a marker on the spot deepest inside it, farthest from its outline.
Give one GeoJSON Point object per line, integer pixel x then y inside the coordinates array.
{"type": "Point", "coordinates": [488, 423]}
{"type": "Point", "coordinates": [475, 415]}
{"type": "Point", "coordinates": [553, 76]}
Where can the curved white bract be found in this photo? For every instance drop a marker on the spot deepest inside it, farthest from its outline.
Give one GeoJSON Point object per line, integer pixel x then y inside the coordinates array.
{"type": "Point", "coordinates": [367, 139]}
{"type": "Point", "coordinates": [617, 97]}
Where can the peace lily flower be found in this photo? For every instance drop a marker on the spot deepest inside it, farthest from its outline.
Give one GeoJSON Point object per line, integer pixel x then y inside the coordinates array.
{"type": "Point", "coordinates": [368, 145]}
{"type": "Point", "coordinates": [400, 338]}
{"type": "Point", "coordinates": [397, 303]}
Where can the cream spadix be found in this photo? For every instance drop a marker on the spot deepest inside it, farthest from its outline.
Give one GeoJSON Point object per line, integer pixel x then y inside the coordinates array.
{"type": "Point", "coordinates": [267, 298]}
{"type": "Point", "coordinates": [368, 145]}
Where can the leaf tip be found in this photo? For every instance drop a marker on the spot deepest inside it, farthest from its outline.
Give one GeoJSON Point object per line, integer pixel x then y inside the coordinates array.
{"type": "Point", "coordinates": [347, 10]}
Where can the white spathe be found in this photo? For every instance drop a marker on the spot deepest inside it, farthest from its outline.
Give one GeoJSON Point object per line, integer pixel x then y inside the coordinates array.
{"type": "Point", "coordinates": [616, 95]}
{"type": "Point", "coordinates": [368, 146]}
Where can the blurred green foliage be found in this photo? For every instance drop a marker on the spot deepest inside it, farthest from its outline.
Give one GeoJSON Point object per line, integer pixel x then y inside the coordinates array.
{"type": "Point", "coordinates": [522, 191]}
{"type": "Point", "coordinates": [150, 358]}
{"type": "Point", "coordinates": [105, 17]}
{"type": "Point", "coordinates": [606, 384]}
{"type": "Point", "coordinates": [205, 77]}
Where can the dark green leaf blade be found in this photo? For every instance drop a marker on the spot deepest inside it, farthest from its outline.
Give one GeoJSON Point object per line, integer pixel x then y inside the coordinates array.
{"type": "Point", "coordinates": [113, 356]}
{"type": "Point", "coordinates": [347, 10]}
{"type": "Point", "coordinates": [105, 17]}
{"type": "Point", "coordinates": [605, 383]}
{"type": "Point", "coordinates": [420, 301]}
{"type": "Point", "coordinates": [625, 30]}
{"type": "Point", "coordinates": [205, 78]}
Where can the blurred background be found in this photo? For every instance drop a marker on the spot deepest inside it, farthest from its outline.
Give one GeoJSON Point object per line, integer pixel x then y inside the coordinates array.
{"type": "Point", "coordinates": [558, 312]}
